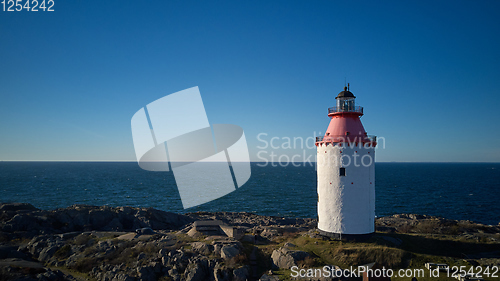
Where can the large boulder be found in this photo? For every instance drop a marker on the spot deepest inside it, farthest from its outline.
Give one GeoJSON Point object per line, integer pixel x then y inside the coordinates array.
{"type": "Point", "coordinates": [100, 218]}
{"type": "Point", "coordinates": [48, 252]}
{"type": "Point", "coordinates": [16, 207]}
{"type": "Point", "coordinates": [229, 251]}
{"type": "Point", "coordinates": [144, 231]}
{"type": "Point", "coordinates": [197, 270]}
{"type": "Point", "coordinates": [21, 222]}
{"type": "Point", "coordinates": [146, 273]}
{"type": "Point", "coordinates": [202, 248]}
{"type": "Point", "coordinates": [286, 258]}
{"type": "Point", "coordinates": [221, 273]}
{"type": "Point", "coordinates": [241, 273]}
{"type": "Point", "coordinates": [269, 233]}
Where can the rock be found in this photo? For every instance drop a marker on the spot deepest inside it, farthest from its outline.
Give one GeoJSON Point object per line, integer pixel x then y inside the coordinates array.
{"type": "Point", "coordinates": [141, 256]}
{"type": "Point", "coordinates": [202, 248]}
{"type": "Point", "coordinates": [196, 271]}
{"type": "Point", "coordinates": [193, 233]}
{"type": "Point", "coordinates": [241, 274]}
{"type": "Point", "coordinates": [163, 252]}
{"type": "Point", "coordinates": [104, 246]}
{"type": "Point", "coordinates": [49, 275]}
{"type": "Point", "coordinates": [48, 252]}
{"type": "Point", "coordinates": [68, 235]}
{"type": "Point", "coordinates": [165, 220]}
{"type": "Point", "coordinates": [313, 233]}
{"type": "Point", "coordinates": [21, 222]}
{"type": "Point", "coordinates": [27, 221]}
{"type": "Point", "coordinates": [415, 216]}
{"type": "Point", "coordinates": [114, 225]}
{"type": "Point", "coordinates": [16, 207]}
{"type": "Point", "coordinates": [165, 261]}
{"type": "Point", "coordinates": [79, 217]}
{"type": "Point", "coordinates": [177, 260]}
{"type": "Point", "coordinates": [146, 273]}
{"type": "Point", "coordinates": [101, 217]}
{"type": "Point", "coordinates": [122, 277]}
{"type": "Point", "coordinates": [36, 245]}
{"type": "Point", "coordinates": [217, 249]}
{"type": "Point", "coordinates": [269, 233]}
{"type": "Point", "coordinates": [144, 231]}
{"type": "Point", "coordinates": [172, 270]}
{"type": "Point", "coordinates": [229, 251]}
{"type": "Point", "coordinates": [221, 273]}
{"type": "Point", "coordinates": [73, 259]}
{"type": "Point", "coordinates": [92, 250]}
{"type": "Point", "coordinates": [286, 258]}
{"type": "Point", "coordinates": [248, 239]}
{"type": "Point", "coordinates": [156, 266]}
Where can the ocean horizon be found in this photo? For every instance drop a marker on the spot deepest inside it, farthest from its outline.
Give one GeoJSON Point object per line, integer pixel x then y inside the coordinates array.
{"type": "Point", "coordinates": [454, 190]}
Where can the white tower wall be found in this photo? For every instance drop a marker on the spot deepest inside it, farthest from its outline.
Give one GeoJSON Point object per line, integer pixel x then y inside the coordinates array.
{"type": "Point", "coordinates": [346, 204]}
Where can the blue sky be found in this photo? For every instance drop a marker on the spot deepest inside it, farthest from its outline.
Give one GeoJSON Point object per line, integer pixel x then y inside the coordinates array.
{"type": "Point", "coordinates": [426, 72]}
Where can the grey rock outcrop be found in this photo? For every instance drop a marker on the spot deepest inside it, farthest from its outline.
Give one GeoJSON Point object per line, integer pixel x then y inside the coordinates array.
{"type": "Point", "coordinates": [24, 220]}
{"type": "Point", "coordinates": [241, 273]}
{"type": "Point", "coordinates": [197, 270]}
{"type": "Point", "coordinates": [132, 244]}
{"type": "Point", "coordinates": [202, 248]}
{"type": "Point", "coordinates": [229, 251]}
{"type": "Point", "coordinates": [286, 258]}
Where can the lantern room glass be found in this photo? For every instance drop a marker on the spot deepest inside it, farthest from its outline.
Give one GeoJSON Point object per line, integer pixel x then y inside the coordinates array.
{"type": "Point", "coordinates": [345, 104]}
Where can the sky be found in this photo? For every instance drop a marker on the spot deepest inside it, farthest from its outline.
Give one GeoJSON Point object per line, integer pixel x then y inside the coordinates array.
{"type": "Point", "coordinates": [426, 72]}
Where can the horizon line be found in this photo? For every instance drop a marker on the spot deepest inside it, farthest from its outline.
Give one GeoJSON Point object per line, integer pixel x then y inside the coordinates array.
{"type": "Point", "coordinates": [133, 161]}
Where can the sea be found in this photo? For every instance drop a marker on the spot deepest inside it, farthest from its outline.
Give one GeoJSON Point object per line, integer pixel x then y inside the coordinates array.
{"type": "Point", "coordinates": [462, 191]}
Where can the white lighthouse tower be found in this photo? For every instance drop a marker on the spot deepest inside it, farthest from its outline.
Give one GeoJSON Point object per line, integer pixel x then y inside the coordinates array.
{"type": "Point", "coordinates": [346, 172]}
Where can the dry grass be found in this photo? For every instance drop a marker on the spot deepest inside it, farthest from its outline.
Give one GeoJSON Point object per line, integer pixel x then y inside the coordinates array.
{"type": "Point", "coordinates": [308, 262]}
{"type": "Point", "coordinates": [126, 252]}
{"type": "Point", "coordinates": [386, 256]}
{"type": "Point", "coordinates": [63, 252]}
{"type": "Point", "coordinates": [350, 253]}
{"type": "Point", "coordinates": [240, 259]}
{"type": "Point", "coordinates": [85, 264]}
{"type": "Point", "coordinates": [82, 239]}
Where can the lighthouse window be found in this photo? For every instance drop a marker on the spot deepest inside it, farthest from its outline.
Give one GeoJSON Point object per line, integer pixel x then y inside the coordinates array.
{"type": "Point", "coordinates": [342, 172]}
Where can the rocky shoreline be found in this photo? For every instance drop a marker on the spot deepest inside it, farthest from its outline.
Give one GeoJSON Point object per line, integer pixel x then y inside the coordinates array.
{"type": "Point", "coordinates": [113, 244]}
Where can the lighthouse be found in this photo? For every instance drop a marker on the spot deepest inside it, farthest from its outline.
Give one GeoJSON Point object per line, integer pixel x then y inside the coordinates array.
{"type": "Point", "coordinates": [346, 172]}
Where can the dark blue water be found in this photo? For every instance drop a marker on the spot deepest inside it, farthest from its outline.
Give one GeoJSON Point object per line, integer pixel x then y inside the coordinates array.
{"type": "Point", "coordinates": [452, 190]}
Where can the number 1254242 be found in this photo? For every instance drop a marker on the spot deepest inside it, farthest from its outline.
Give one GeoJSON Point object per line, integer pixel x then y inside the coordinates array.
{"type": "Point", "coordinates": [28, 5]}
